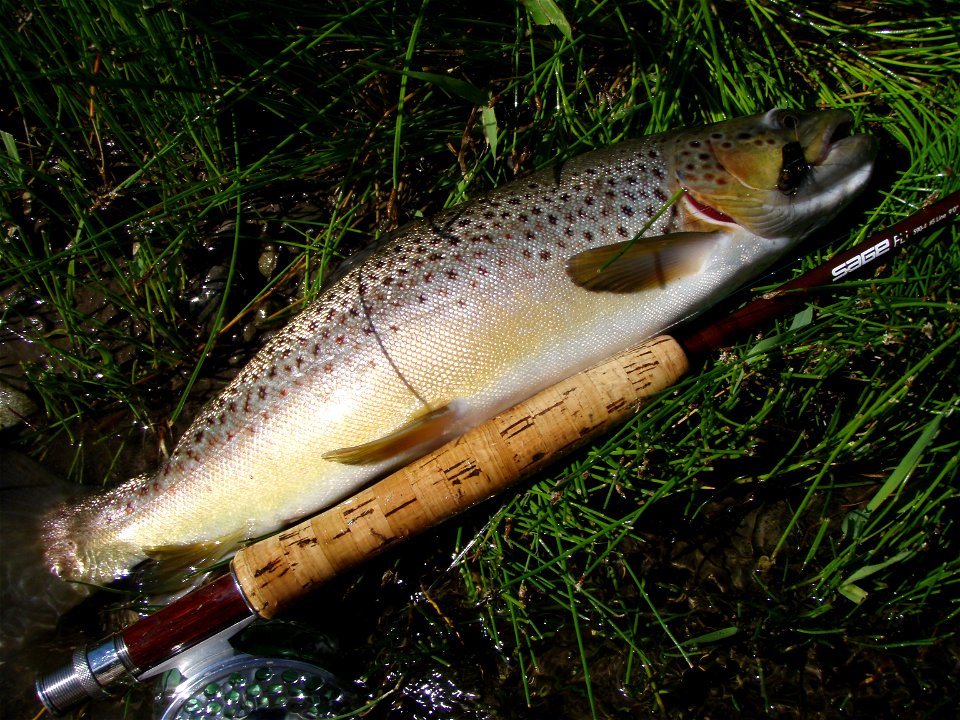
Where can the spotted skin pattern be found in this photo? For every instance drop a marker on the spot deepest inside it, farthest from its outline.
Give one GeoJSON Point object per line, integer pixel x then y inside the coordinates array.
{"type": "Point", "coordinates": [454, 318]}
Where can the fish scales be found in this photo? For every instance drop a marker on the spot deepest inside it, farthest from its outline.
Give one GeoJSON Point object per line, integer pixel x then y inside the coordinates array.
{"type": "Point", "coordinates": [451, 320]}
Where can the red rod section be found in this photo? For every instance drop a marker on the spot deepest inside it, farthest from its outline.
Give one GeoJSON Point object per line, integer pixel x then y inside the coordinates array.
{"type": "Point", "coordinates": [185, 622]}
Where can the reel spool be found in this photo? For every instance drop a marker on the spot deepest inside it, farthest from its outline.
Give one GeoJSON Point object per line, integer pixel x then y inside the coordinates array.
{"type": "Point", "coordinates": [253, 688]}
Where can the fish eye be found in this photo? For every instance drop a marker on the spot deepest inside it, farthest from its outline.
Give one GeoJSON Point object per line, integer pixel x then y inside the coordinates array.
{"type": "Point", "coordinates": [793, 170]}
{"type": "Point", "coordinates": [789, 120]}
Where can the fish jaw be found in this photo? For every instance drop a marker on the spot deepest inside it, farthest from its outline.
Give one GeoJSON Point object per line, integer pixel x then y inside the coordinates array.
{"type": "Point", "coordinates": [780, 175]}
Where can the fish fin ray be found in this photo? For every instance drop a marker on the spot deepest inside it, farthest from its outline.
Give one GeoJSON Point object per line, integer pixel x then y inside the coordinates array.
{"type": "Point", "coordinates": [641, 264]}
{"type": "Point", "coordinates": [425, 431]}
{"type": "Point", "coordinates": [175, 568]}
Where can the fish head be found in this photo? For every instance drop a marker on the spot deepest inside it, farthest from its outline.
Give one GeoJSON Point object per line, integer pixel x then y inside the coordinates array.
{"type": "Point", "coordinates": [780, 175]}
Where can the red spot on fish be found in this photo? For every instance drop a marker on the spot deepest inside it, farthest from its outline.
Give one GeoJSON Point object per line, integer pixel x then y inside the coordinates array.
{"type": "Point", "coordinates": [284, 392]}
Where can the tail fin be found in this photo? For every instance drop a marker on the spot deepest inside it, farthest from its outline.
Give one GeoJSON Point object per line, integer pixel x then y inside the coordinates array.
{"type": "Point", "coordinates": [32, 599]}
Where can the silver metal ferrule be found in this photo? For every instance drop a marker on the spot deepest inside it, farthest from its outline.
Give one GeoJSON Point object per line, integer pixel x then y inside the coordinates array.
{"type": "Point", "coordinates": [89, 674]}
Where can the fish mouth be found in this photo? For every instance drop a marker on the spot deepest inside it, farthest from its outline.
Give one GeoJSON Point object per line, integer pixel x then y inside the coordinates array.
{"type": "Point", "coordinates": [834, 147]}
{"type": "Point", "coordinates": [817, 149]}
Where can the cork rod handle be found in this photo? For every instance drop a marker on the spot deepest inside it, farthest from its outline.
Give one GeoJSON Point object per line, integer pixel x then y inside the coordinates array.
{"type": "Point", "coordinates": [275, 572]}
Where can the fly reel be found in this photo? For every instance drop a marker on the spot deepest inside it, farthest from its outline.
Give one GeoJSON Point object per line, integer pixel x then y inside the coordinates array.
{"type": "Point", "coordinates": [252, 688]}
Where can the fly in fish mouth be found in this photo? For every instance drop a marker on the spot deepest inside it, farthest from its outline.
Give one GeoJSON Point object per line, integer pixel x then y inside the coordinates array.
{"type": "Point", "coordinates": [797, 162]}
{"type": "Point", "coordinates": [794, 169]}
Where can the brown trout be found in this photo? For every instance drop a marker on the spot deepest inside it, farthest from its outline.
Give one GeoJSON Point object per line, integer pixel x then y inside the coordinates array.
{"type": "Point", "coordinates": [455, 318]}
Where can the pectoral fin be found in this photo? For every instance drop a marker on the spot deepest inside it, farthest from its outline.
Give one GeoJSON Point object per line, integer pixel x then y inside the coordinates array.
{"type": "Point", "coordinates": [641, 264]}
{"type": "Point", "coordinates": [423, 433]}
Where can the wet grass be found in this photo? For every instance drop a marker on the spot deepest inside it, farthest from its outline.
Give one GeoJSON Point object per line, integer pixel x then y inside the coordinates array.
{"type": "Point", "coordinates": [775, 536]}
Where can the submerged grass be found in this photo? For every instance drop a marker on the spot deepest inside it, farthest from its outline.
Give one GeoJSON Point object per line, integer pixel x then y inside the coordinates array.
{"type": "Point", "coordinates": [776, 535]}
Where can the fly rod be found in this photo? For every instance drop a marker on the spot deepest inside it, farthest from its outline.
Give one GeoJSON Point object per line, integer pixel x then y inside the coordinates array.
{"type": "Point", "coordinates": [267, 577]}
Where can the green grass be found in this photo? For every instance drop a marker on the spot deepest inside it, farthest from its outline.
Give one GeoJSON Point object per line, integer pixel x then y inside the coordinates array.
{"type": "Point", "coordinates": [776, 535]}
